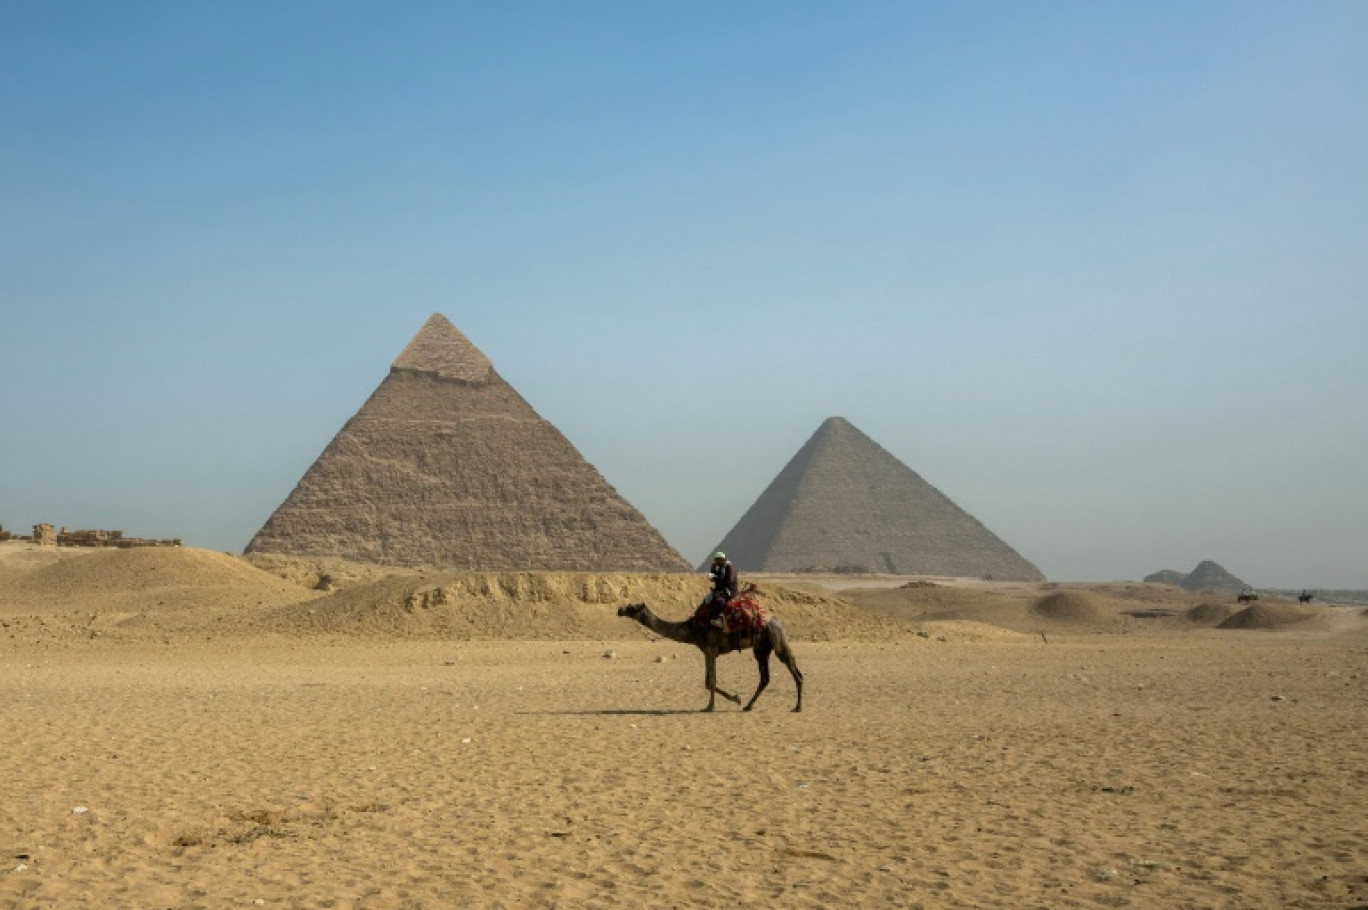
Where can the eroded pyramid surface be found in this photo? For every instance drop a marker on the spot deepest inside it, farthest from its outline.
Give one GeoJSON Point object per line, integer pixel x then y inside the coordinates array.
{"type": "Point", "coordinates": [446, 465]}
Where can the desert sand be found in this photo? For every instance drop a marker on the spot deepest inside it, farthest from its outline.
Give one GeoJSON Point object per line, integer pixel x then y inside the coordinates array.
{"type": "Point", "coordinates": [183, 729]}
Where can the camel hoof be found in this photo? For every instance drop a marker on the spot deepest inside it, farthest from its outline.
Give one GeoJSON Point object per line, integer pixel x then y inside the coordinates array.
{"type": "Point", "coordinates": [798, 710]}
{"type": "Point", "coordinates": [746, 708]}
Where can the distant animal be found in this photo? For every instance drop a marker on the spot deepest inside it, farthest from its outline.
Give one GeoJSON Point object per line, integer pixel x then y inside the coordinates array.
{"type": "Point", "coordinates": [1304, 597]}
{"type": "Point", "coordinates": [1247, 596]}
{"type": "Point", "coordinates": [712, 641]}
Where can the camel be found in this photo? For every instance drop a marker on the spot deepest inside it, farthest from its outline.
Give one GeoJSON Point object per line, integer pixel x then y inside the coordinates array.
{"type": "Point", "coordinates": [713, 641]}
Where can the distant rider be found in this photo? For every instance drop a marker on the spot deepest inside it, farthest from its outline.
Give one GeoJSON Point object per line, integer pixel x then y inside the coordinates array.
{"type": "Point", "coordinates": [724, 586]}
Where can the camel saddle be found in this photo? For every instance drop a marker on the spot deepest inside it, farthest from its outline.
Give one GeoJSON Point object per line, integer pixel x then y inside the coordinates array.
{"type": "Point", "coordinates": [743, 613]}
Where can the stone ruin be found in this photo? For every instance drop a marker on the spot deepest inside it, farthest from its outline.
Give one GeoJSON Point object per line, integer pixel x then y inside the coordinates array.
{"type": "Point", "coordinates": [46, 535]}
{"type": "Point", "coordinates": [102, 538]}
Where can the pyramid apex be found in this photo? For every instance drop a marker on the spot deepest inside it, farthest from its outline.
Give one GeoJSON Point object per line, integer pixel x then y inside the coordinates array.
{"type": "Point", "coordinates": [835, 429]}
{"type": "Point", "coordinates": [439, 348]}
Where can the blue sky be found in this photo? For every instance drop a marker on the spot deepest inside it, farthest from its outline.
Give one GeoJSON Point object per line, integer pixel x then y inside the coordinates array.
{"type": "Point", "coordinates": [1099, 272]}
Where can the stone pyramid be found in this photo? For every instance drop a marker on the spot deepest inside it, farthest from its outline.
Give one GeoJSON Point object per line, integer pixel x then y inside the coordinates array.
{"type": "Point", "coordinates": [447, 466]}
{"type": "Point", "coordinates": [1164, 577]}
{"type": "Point", "coordinates": [1210, 578]}
{"type": "Point", "coordinates": [844, 503]}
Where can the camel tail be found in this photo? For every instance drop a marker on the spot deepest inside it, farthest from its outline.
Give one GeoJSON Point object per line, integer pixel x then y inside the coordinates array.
{"type": "Point", "coordinates": [780, 641]}
{"type": "Point", "coordinates": [784, 651]}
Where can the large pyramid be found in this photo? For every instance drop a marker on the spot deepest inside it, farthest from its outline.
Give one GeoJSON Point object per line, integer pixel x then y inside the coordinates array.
{"type": "Point", "coordinates": [844, 502]}
{"type": "Point", "coordinates": [447, 466]}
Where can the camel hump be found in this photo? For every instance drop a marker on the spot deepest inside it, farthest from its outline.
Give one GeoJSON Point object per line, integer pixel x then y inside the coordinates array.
{"type": "Point", "coordinates": [745, 614]}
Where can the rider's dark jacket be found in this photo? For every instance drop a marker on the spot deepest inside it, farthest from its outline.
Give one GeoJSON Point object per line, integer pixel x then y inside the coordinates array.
{"type": "Point", "coordinates": [723, 581]}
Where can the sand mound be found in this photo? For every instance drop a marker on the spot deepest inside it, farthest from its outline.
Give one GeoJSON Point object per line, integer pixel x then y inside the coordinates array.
{"type": "Point", "coordinates": [316, 572]}
{"type": "Point", "coordinates": [1069, 607]}
{"type": "Point", "coordinates": [1210, 614]}
{"type": "Point", "coordinates": [158, 590]}
{"type": "Point", "coordinates": [165, 593]}
{"type": "Point", "coordinates": [916, 599]}
{"type": "Point", "coordinates": [1131, 592]}
{"type": "Point", "coordinates": [819, 617]}
{"type": "Point", "coordinates": [548, 606]}
{"type": "Point", "coordinates": [17, 556]}
{"type": "Point", "coordinates": [479, 605]}
{"type": "Point", "coordinates": [1271, 616]}
{"type": "Point", "coordinates": [146, 569]}
{"type": "Point", "coordinates": [1019, 609]}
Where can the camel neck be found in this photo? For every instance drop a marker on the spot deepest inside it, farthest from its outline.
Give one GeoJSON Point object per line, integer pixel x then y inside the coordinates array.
{"type": "Point", "coordinates": [675, 631]}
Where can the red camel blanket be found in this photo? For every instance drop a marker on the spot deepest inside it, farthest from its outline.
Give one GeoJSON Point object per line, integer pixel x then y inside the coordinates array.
{"type": "Point", "coordinates": [743, 613]}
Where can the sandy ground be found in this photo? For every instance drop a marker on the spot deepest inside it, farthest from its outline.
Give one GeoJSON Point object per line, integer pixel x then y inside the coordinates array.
{"type": "Point", "coordinates": [183, 730]}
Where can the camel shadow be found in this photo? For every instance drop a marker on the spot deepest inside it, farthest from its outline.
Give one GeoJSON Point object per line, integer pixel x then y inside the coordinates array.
{"type": "Point", "coordinates": [610, 712]}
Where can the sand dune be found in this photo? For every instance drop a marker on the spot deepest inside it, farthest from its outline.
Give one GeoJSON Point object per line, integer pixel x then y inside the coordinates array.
{"type": "Point", "coordinates": [1211, 614]}
{"type": "Point", "coordinates": [141, 570]}
{"type": "Point", "coordinates": [133, 593]}
{"type": "Point", "coordinates": [1071, 608]}
{"type": "Point", "coordinates": [1274, 615]}
{"type": "Point", "coordinates": [549, 606]}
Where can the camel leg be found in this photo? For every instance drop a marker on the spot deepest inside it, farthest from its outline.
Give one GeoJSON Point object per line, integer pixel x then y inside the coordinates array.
{"type": "Point", "coordinates": [710, 681]}
{"type": "Point", "coordinates": [797, 679]}
{"type": "Point", "coordinates": [710, 678]}
{"type": "Point", "coordinates": [762, 656]}
{"type": "Point", "coordinates": [785, 654]}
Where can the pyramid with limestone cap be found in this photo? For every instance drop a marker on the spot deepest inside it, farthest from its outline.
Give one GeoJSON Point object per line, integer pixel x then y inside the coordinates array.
{"type": "Point", "coordinates": [440, 349]}
{"type": "Point", "coordinates": [844, 502]}
{"type": "Point", "coordinates": [447, 465]}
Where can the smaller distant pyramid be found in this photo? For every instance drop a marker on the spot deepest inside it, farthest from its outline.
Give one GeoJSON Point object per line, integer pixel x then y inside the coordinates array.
{"type": "Point", "coordinates": [1209, 578]}
{"type": "Point", "coordinates": [845, 503]}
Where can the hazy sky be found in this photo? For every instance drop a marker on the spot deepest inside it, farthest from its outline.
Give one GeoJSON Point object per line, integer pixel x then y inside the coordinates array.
{"type": "Point", "coordinates": [1097, 271]}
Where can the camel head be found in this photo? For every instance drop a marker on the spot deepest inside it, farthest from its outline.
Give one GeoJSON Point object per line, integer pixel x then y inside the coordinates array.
{"type": "Point", "coordinates": [632, 610]}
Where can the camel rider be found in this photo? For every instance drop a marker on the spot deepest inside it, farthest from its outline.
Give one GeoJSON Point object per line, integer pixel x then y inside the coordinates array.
{"type": "Point", "coordinates": [724, 586]}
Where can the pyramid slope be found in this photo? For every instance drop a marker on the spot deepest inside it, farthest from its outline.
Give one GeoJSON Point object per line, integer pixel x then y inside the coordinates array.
{"type": "Point", "coordinates": [845, 501]}
{"type": "Point", "coordinates": [1210, 578]}
{"type": "Point", "coordinates": [446, 465]}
